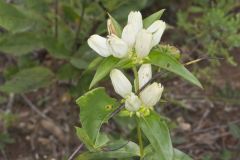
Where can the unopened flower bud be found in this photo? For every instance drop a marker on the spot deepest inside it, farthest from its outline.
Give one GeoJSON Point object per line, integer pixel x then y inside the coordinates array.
{"type": "Point", "coordinates": [135, 18]}
{"type": "Point", "coordinates": [121, 84]}
{"type": "Point", "coordinates": [157, 29]}
{"type": "Point", "coordinates": [143, 43]}
{"type": "Point", "coordinates": [144, 74]}
{"type": "Point", "coordinates": [99, 45]}
{"type": "Point", "coordinates": [151, 94]}
{"type": "Point", "coordinates": [132, 103]}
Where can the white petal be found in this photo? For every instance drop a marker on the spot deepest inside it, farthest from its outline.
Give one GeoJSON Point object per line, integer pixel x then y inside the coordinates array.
{"type": "Point", "coordinates": [144, 74]}
{"type": "Point", "coordinates": [121, 84]}
{"type": "Point", "coordinates": [135, 18]}
{"type": "Point", "coordinates": [143, 43]}
{"type": "Point", "coordinates": [118, 47]}
{"type": "Point", "coordinates": [151, 94]}
{"type": "Point", "coordinates": [99, 45]}
{"type": "Point", "coordinates": [132, 103]}
{"type": "Point", "coordinates": [157, 29]}
{"type": "Point", "coordinates": [129, 34]}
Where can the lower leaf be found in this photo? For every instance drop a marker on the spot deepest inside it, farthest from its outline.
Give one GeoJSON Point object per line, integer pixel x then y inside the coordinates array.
{"type": "Point", "coordinates": [158, 135]}
{"type": "Point", "coordinates": [129, 150]}
{"type": "Point", "coordinates": [95, 109]}
{"type": "Point", "coordinates": [150, 154]}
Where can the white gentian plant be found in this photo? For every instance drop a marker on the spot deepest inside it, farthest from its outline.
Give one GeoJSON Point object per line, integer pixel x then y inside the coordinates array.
{"type": "Point", "coordinates": [134, 48]}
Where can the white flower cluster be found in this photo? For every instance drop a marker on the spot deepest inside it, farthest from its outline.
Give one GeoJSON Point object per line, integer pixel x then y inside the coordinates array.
{"type": "Point", "coordinates": [134, 39]}
{"type": "Point", "coordinates": [147, 98]}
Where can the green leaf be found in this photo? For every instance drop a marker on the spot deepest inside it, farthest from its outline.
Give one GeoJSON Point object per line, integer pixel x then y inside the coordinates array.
{"type": "Point", "coordinates": [115, 144]}
{"type": "Point", "coordinates": [79, 63]}
{"type": "Point", "coordinates": [234, 130]}
{"type": "Point", "coordinates": [179, 155]}
{"type": "Point", "coordinates": [158, 135]}
{"type": "Point", "coordinates": [5, 139]}
{"type": "Point", "coordinates": [104, 68]}
{"type": "Point", "coordinates": [28, 80]}
{"type": "Point", "coordinates": [153, 17]}
{"type": "Point", "coordinates": [20, 43]}
{"type": "Point", "coordinates": [129, 150]}
{"type": "Point", "coordinates": [116, 25]}
{"type": "Point", "coordinates": [96, 107]}
{"type": "Point", "coordinates": [41, 7]}
{"type": "Point", "coordinates": [125, 63]}
{"type": "Point", "coordinates": [12, 19]}
{"type": "Point", "coordinates": [83, 136]}
{"type": "Point", "coordinates": [195, 9]}
{"type": "Point", "coordinates": [102, 140]}
{"type": "Point", "coordinates": [70, 12]}
{"type": "Point", "coordinates": [150, 154]}
{"type": "Point", "coordinates": [3, 99]}
{"type": "Point", "coordinates": [67, 72]}
{"type": "Point", "coordinates": [171, 64]}
{"type": "Point", "coordinates": [56, 48]}
{"type": "Point", "coordinates": [93, 64]}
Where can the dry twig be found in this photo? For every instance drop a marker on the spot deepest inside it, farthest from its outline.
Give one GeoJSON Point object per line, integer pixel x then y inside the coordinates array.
{"type": "Point", "coordinates": [75, 152]}
{"type": "Point", "coordinates": [33, 107]}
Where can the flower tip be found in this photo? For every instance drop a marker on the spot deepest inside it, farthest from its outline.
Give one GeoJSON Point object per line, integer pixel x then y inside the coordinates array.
{"type": "Point", "coordinates": [157, 28]}
{"type": "Point", "coordinates": [135, 18]}
{"type": "Point", "coordinates": [114, 71]}
{"type": "Point", "coordinates": [152, 94]}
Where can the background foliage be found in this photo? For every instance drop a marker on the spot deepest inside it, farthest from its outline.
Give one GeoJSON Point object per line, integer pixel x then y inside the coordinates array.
{"type": "Point", "coordinates": [43, 44]}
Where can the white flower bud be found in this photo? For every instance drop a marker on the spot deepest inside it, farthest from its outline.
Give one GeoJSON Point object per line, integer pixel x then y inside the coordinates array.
{"type": "Point", "coordinates": [157, 29]}
{"type": "Point", "coordinates": [135, 18]}
{"type": "Point", "coordinates": [118, 47]}
{"type": "Point", "coordinates": [151, 94]}
{"type": "Point", "coordinates": [144, 74]}
{"type": "Point", "coordinates": [99, 45]}
{"type": "Point", "coordinates": [143, 43]}
{"type": "Point", "coordinates": [121, 84]}
{"type": "Point", "coordinates": [132, 103]}
{"type": "Point", "coordinates": [129, 34]}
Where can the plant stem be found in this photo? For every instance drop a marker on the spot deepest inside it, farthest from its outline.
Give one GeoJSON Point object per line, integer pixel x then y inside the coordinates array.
{"type": "Point", "coordinates": [56, 19]}
{"type": "Point", "coordinates": [79, 25]}
{"type": "Point", "coordinates": [136, 80]}
{"type": "Point", "coordinates": [139, 133]}
{"type": "Point", "coordinates": [75, 152]}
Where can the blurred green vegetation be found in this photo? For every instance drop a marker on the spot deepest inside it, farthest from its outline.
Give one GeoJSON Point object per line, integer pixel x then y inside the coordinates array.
{"type": "Point", "coordinates": [48, 37]}
{"type": "Point", "coordinates": [212, 28]}
{"type": "Point", "coordinates": [45, 41]}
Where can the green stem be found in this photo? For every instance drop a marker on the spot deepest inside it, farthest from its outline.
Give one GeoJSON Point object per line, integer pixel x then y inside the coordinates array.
{"type": "Point", "coordinates": [136, 80]}
{"type": "Point", "coordinates": [79, 25]}
{"type": "Point", "coordinates": [139, 132]}
{"type": "Point", "coordinates": [56, 19]}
